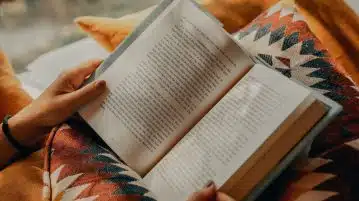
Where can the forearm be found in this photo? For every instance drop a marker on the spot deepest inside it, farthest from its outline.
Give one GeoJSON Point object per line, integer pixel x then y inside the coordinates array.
{"type": "Point", "coordinates": [23, 132]}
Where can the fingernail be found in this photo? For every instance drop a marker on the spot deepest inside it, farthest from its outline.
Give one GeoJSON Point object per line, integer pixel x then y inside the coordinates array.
{"type": "Point", "coordinates": [209, 184]}
{"type": "Point", "coordinates": [101, 83]}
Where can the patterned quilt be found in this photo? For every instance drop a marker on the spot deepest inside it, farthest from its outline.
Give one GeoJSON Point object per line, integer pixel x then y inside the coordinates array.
{"type": "Point", "coordinates": [280, 38]}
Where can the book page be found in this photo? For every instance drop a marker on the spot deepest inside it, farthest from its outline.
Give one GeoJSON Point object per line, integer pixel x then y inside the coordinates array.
{"type": "Point", "coordinates": [164, 83]}
{"type": "Point", "coordinates": [228, 135]}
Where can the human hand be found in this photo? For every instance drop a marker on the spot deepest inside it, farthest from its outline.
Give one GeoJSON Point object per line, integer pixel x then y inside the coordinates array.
{"type": "Point", "coordinates": [57, 103]}
{"type": "Point", "coordinates": [209, 193]}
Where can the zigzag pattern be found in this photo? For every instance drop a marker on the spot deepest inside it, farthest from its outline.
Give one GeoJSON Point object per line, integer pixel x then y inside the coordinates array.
{"type": "Point", "coordinates": [125, 180]}
{"type": "Point", "coordinates": [288, 55]}
{"type": "Point", "coordinates": [281, 39]}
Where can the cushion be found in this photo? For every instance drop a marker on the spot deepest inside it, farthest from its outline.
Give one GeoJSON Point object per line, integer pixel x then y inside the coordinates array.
{"type": "Point", "coordinates": [110, 32]}
{"type": "Point", "coordinates": [77, 167]}
{"type": "Point", "coordinates": [336, 25]}
{"type": "Point", "coordinates": [281, 39]}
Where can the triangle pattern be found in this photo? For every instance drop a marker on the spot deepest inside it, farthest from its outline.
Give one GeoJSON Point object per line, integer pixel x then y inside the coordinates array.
{"type": "Point", "coordinates": [290, 40]}
{"type": "Point", "coordinates": [111, 168]}
{"type": "Point", "coordinates": [317, 63]}
{"type": "Point", "coordinates": [285, 72]}
{"type": "Point", "coordinates": [335, 96]}
{"type": "Point", "coordinates": [131, 189]}
{"type": "Point", "coordinates": [121, 178]}
{"type": "Point", "coordinates": [274, 9]}
{"type": "Point", "coordinates": [278, 64]}
{"type": "Point", "coordinates": [262, 31]}
{"type": "Point", "coordinates": [241, 34]}
{"type": "Point", "coordinates": [276, 35]}
{"type": "Point", "coordinates": [309, 49]}
{"type": "Point", "coordinates": [285, 61]}
{"type": "Point", "coordinates": [267, 58]}
{"type": "Point", "coordinates": [296, 59]}
{"type": "Point", "coordinates": [325, 84]}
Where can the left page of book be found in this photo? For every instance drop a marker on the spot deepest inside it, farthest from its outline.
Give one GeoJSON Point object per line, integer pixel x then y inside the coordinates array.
{"type": "Point", "coordinates": [164, 82]}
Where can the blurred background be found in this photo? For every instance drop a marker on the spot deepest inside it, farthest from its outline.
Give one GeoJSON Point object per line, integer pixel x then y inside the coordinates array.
{"type": "Point", "coordinates": [29, 28]}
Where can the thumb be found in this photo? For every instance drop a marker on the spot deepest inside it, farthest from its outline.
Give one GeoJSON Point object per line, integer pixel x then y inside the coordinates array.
{"type": "Point", "coordinates": [206, 194]}
{"type": "Point", "coordinates": [224, 197]}
{"type": "Point", "coordinates": [85, 94]}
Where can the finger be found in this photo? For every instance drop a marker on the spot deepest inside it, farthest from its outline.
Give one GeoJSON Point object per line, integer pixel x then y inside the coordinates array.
{"type": "Point", "coordinates": [85, 69]}
{"type": "Point", "coordinates": [224, 197]}
{"type": "Point", "coordinates": [206, 194]}
{"type": "Point", "coordinates": [73, 78]}
{"type": "Point", "coordinates": [84, 95]}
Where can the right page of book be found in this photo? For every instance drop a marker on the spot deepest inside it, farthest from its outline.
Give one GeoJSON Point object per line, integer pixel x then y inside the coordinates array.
{"type": "Point", "coordinates": [228, 135]}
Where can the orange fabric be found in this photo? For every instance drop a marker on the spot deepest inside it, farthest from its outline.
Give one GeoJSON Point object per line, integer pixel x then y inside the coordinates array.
{"type": "Point", "coordinates": [108, 32]}
{"type": "Point", "coordinates": [336, 25]}
{"type": "Point", "coordinates": [10, 87]}
{"type": "Point", "coordinates": [235, 14]}
{"type": "Point", "coordinates": [23, 179]}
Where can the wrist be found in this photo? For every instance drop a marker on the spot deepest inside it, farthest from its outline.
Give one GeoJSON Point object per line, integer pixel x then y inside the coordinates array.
{"type": "Point", "coordinates": [26, 131]}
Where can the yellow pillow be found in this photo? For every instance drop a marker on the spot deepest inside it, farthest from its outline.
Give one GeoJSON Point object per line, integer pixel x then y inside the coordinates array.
{"type": "Point", "coordinates": [110, 32]}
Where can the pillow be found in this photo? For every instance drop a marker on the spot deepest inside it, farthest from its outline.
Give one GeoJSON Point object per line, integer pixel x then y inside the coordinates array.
{"type": "Point", "coordinates": [281, 39]}
{"type": "Point", "coordinates": [234, 14]}
{"type": "Point", "coordinates": [13, 96]}
{"type": "Point", "coordinates": [337, 26]}
{"type": "Point", "coordinates": [110, 32]}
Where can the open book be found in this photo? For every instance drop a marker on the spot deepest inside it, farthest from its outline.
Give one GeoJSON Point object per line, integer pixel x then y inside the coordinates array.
{"type": "Point", "coordinates": [186, 105]}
